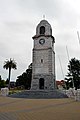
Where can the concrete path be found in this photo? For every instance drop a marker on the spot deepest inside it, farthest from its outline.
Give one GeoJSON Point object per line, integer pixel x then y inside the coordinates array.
{"type": "Point", "coordinates": [39, 109]}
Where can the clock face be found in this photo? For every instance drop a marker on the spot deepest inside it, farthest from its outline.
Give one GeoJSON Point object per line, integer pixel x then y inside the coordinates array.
{"type": "Point", "coordinates": [41, 41]}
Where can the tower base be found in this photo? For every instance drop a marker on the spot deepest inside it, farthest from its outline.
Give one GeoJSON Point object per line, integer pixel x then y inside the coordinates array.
{"type": "Point", "coordinates": [43, 82]}
{"type": "Point", "coordinates": [41, 94]}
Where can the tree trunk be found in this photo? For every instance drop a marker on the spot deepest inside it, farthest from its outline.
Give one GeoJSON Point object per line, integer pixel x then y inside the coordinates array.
{"type": "Point", "coordinates": [9, 77]}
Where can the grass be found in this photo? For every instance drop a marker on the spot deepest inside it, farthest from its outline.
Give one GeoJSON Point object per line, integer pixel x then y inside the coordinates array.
{"type": "Point", "coordinates": [14, 91]}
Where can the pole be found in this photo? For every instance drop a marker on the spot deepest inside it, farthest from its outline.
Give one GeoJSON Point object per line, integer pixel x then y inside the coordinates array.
{"type": "Point", "coordinates": [70, 66]}
{"type": "Point", "coordinates": [78, 36]}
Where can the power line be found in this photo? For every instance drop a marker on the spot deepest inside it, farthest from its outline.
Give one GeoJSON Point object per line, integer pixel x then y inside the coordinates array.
{"type": "Point", "coordinates": [61, 67]}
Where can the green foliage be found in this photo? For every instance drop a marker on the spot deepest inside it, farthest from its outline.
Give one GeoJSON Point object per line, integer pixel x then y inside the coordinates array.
{"type": "Point", "coordinates": [8, 64]}
{"type": "Point", "coordinates": [73, 76]}
{"type": "Point", "coordinates": [2, 83]}
{"type": "Point", "coordinates": [13, 91]}
{"type": "Point", "coordinates": [7, 81]}
{"type": "Point", "coordinates": [0, 77]}
{"type": "Point", "coordinates": [25, 78]}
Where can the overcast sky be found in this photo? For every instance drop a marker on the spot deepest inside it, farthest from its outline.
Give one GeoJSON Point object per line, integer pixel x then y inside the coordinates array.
{"type": "Point", "coordinates": [18, 21]}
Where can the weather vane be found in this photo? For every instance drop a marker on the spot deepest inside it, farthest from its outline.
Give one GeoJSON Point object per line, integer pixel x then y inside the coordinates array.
{"type": "Point", "coordinates": [44, 17]}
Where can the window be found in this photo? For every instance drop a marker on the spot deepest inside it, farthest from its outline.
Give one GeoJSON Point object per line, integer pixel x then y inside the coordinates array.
{"type": "Point", "coordinates": [50, 31]}
{"type": "Point", "coordinates": [41, 60]}
{"type": "Point", "coordinates": [42, 30]}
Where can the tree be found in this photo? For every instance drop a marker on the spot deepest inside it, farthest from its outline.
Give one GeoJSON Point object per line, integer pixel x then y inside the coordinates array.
{"type": "Point", "coordinates": [73, 76]}
{"type": "Point", "coordinates": [9, 64]}
{"type": "Point", "coordinates": [25, 78]}
{"type": "Point", "coordinates": [0, 77]}
{"type": "Point", "coordinates": [7, 81]}
{"type": "Point", "coordinates": [2, 83]}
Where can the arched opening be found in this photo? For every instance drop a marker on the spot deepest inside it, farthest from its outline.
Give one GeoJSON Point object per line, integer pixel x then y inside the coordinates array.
{"type": "Point", "coordinates": [41, 83]}
{"type": "Point", "coordinates": [42, 30]}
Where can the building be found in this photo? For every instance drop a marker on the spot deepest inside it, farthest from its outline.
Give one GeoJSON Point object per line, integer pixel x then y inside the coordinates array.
{"type": "Point", "coordinates": [43, 64]}
{"type": "Point", "coordinates": [60, 84]}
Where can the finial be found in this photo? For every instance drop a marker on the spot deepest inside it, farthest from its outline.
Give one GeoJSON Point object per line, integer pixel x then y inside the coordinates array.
{"type": "Point", "coordinates": [44, 17]}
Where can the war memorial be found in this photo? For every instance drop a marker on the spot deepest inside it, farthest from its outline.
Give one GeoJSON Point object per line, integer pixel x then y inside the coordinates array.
{"type": "Point", "coordinates": [43, 84]}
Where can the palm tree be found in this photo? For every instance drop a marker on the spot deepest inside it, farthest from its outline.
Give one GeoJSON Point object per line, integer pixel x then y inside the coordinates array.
{"type": "Point", "coordinates": [9, 64]}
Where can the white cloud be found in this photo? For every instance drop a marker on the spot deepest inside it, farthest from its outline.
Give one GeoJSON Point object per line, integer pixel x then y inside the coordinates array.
{"type": "Point", "coordinates": [18, 21]}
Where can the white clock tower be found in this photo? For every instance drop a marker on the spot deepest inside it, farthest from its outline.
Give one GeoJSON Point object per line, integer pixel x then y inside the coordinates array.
{"type": "Point", "coordinates": [43, 64]}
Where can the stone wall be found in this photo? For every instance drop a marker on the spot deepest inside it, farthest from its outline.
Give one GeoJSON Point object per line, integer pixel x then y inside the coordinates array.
{"type": "Point", "coordinates": [72, 93]}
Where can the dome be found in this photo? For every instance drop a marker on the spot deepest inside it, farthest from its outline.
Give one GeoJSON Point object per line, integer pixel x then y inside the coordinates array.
{"type": "Point", "coordinates": [44, 22]}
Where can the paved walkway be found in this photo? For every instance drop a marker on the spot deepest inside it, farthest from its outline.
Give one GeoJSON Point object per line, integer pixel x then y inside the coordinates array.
{"type": "Point", "coordinates": [39, 109]}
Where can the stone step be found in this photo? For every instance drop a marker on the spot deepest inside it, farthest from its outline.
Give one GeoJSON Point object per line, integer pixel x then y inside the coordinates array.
{"type": "Point", "coordinates": [41, 94]}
